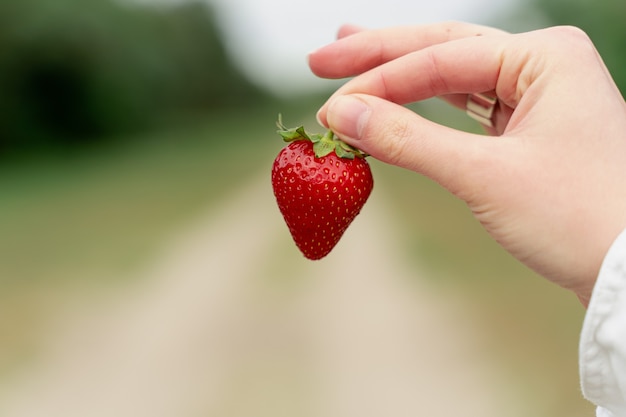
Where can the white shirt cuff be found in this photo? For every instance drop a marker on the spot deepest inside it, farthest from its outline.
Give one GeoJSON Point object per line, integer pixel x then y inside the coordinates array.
{"type": "Point", "coordinates": [603, 337]}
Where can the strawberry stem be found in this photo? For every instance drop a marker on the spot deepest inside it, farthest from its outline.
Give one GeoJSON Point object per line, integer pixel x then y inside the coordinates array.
{"type": "Point", "coordinates": [322, 144]}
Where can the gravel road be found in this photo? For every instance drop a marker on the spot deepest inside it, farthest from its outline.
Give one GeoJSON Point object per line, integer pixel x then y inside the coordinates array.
{"type": "Point", "coordinates": [230, 321]}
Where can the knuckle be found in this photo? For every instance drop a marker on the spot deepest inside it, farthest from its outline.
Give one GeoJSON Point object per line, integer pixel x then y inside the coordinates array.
{"type": "Point", "coordinates": [559, 48]}
{"type": "Point", "coordinates": [572, 40]}
{"type": "Point", "coordinates": [572, 32]}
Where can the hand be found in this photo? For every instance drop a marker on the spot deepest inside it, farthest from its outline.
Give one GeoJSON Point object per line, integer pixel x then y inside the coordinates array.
{"type": "Point", "coordinates": [551, 188]}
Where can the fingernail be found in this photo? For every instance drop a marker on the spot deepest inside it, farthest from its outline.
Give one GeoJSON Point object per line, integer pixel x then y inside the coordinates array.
{"type": "Point", "coordinates": [313, 52]}
{"type": "Point", "coordinates": [318, 116]}
{"type": "Point", "coordinates": [347, 116]}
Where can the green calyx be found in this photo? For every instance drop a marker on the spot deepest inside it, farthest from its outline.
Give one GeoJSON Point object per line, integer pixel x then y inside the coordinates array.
{"type": "Point", "coordinates": [322, 144]}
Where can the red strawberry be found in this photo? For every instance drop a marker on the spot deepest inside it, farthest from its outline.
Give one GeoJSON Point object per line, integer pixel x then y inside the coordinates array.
{"type": "Point", "coordinates": [320, 184]}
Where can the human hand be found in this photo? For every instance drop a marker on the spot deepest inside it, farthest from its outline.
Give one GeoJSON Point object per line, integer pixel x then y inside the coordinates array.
{"type": "Point", "coordinates": [551, 188]}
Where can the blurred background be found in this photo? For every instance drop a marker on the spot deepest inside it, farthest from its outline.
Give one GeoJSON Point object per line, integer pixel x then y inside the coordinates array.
{"type": "Point", "coordinates": [145, 270]}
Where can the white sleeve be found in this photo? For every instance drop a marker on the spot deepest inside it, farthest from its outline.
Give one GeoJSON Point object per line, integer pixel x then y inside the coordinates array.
{"type": "Point", "coordinates": [603, 337]}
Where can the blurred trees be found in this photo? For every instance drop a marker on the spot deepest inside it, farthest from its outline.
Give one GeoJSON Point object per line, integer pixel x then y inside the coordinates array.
{"type": "Point", "coordinates": [72, 70]}
{"type": "Point", "coordinates": [603, 20]}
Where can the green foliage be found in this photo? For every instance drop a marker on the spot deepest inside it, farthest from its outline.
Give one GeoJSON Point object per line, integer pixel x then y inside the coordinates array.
{"type": "Point", "coordinates": [103, 210]}
{"type": "Point", "coordinates": [79, 69]}
{"type": "Point", "coordinates": [603, 20]}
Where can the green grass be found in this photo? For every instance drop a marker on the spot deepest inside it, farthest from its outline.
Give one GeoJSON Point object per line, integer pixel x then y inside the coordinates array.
{"type": "Point", "coordinates": [64, 215]}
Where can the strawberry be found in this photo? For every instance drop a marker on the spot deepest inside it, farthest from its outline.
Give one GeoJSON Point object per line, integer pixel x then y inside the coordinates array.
{"type": "Point", "coordinates": [320, 184]}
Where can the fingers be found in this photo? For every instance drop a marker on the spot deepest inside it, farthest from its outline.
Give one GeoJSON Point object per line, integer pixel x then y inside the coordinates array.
{"type": "Point", "coordinates": [467, 65]}
{"type": "Point", "coordinates": [366, 49]}
{"type": "Point", "coordinates": [396, 135]}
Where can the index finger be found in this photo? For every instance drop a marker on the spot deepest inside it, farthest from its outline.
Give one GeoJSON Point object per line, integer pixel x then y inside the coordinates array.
{"type": "Point", "coordinates": [468, 65]}
{"type": "Point", "coordinates": [366, 49]}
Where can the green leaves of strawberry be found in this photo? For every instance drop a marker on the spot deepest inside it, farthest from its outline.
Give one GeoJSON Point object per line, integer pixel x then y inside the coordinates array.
{"type": "Point", "coordinates": [322, 144]}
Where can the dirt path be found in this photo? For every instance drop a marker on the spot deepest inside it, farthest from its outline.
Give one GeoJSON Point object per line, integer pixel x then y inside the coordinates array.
{"type": "Point", "coordinates": [232, 322]}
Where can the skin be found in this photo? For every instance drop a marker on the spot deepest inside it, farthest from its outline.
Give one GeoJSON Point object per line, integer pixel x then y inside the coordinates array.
{"type": "Point", "coordinates": [551, 186]}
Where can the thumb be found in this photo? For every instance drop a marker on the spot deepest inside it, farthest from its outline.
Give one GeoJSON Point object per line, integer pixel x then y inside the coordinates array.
{"type": "Point", "coordinates": [394, 134]}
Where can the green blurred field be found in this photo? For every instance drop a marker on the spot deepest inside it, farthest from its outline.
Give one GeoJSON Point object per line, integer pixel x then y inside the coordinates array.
{"type": "Point", "coordinates": [72, 220]}
{"type": "Point", "coordinates": [91, 217]}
